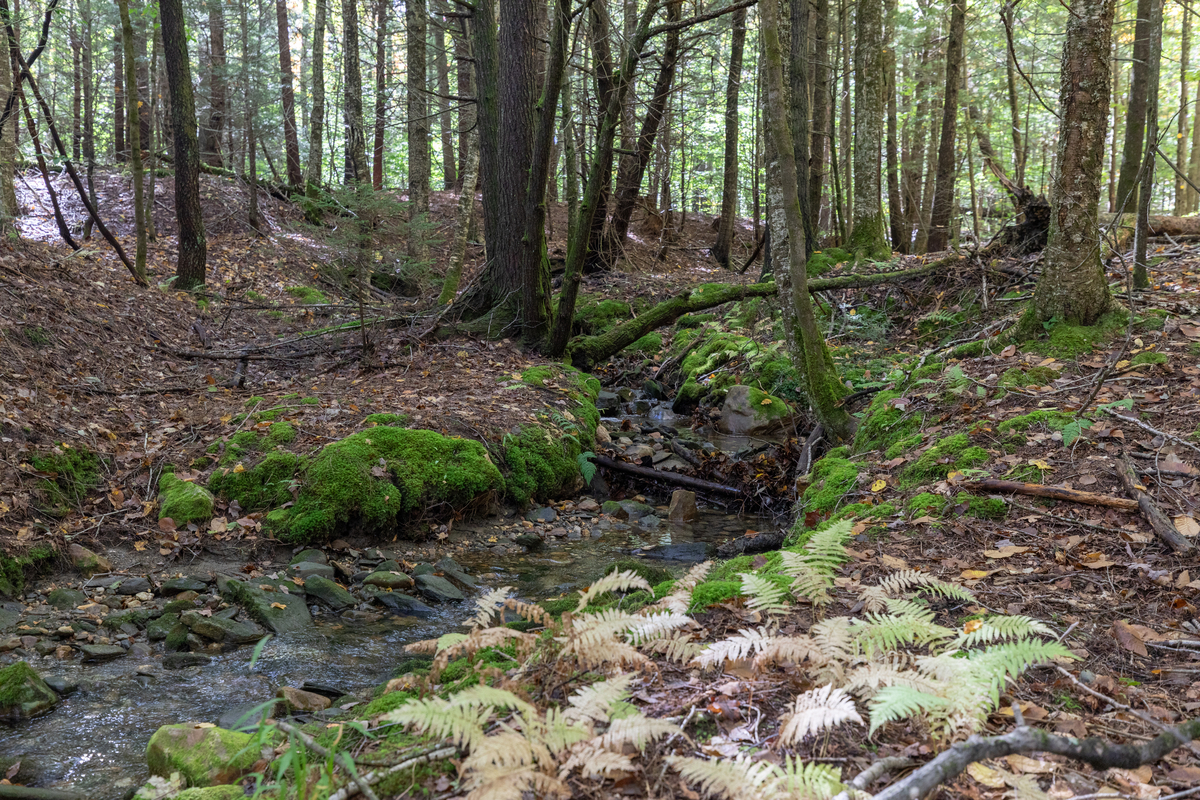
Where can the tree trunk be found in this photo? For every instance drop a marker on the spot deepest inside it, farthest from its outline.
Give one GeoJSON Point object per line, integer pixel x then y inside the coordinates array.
{"type": "Point", "coordinates": [135, 134]}
{"type": "Point", "coordinates": [8, 143]}
{"type": "Point", "coordinates": [820, 108]}
{"type": "Point", "coordinates": [1072, 287]}
{"type": "Point", "coordinates": [895, 207]}
{"type": "Point", "coordinates": [867, 236]}
{"type": "Point", "coordinates": [249, 101]}
{"type": "Point", "coordinates": [357, 170]}
{"type": "Point", "coordinates": [381, 12]}
{"type": "Point", "coordinates": [806, 344]}
{"type": "Point", "coordinates": [466, 88]}
{"type": "Point", "coordinates": [445, 120]}
{"type": "Point", "coordinates": [799, 115]}
{"type": "Point", "coordinates": [120, 153]}
{"type": "Point", "coordinates": [1014, 110]}
{"type": "Point", "coordinates": [193, 248]}
{"type": "Point", "coordinates": [76, 92]}
{"type": "Point", "coordinates": [466, 210]}
{"type": "Point", "coordinates": [844, 121]}
{"type": "Point", "coordinates": [928, 174]}
{"type": "Point", "coordinates": [1141, 278]}
{"type": "Point", "coordinates": [570, 163]}
{"type": "Point", "coordinates": [1193, 167]}
{"type": "Point", "coordinates": [943, 194]}
{"type": "Point", "coordinates": [1114, 154]}
{"type": "Point", "coordinates": [214, 125]}
{"type": "Point", "coordinates": [1181, 134]}
{"type": "Point", "coordinates": [316, 121]}
{"type": "Point", "coordinates": [1135, 117]}
{"type": "Point", "coordinates": [150, 145]}
{"type": "Point", "coordinates": [418, 107]}
{"type": "Point", "coordinates": [730, 180]}
{"type": "Point", "coordinates": [295, 177]}
{"type": "Point", "coordinates": [89, 130]}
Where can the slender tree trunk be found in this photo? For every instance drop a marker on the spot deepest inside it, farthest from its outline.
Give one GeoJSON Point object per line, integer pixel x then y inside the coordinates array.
{"type": "Point", "coordinates": [316, 122]}
{"type": "Point", "coordinates": [1135, 117]}
{"type": "Point", "coordinates": [135, 134]}
{"type": "Point", "coordinates": [357, 169]}
{"type": "Point", "coordinates": [305, 73]}
{"type": "Point", "coordinates": [1181, 134]}
{"type": "Point", "coordinates": [249, 101]}
{"type": "Point", "coordinates": [445, 118]}
{"type": "Point", "coordinates": [1141, 278]}
{"type": "Point", "coordinates": [800, 115]}
{"type": "Point", "coordinates": [928, 173]}
{"type": "Point", "coordinates": [867, 234]}
{"type": "Point", "coordinates": [1116, 130]}
{"type": "Point", "coordinates": [295, 177]}
{"type": "Point", "coordinates": [466, 88]}
{"type": "Point", "coordinates": [213, 127]}
{"type": "Point", "coordinates": [820, 109]}
{"type": "Point", "coordinates": [381, 15]}
{"type": "Point", "coordinates": [966, 107]}
{"type": "Point", "coordinates": [466, 210]}
{"type": "Point", "coordinates": [1072, 287]}
{"type": "Point", "coordinates": [120, 151]}
{"type": "Point", "coordinates": [570, 160]}
{"type": "Point", "coordinates": [486, 51]}
{"type": "Point", "coordinates": [846, 165]}
{"type": "Point", "coordinates": [729, 190]}
{"type": "Point", "coordinates": [193, 247]}
{"type": "Point", "coordinates": [806, 344]}
{"type": "Point", "coordinates": [419, 161]}
{"type": "Point", "coordinates": [1014, 110]}
{"type": "Point", "coordinates": [8, 142]}
{"type": "Point", "coordinates": [1193, 168]}
{"type": "Point", "coordinates": [77, 92]}
{"type": "Point", "coordinates": [943, 195]}
{"type": "Point", "coordinates": [152, 102]}
{"type": "Point", "coordinates": [895, 207]}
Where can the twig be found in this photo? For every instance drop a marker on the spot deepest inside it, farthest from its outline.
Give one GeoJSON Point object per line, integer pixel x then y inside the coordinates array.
{"type": "Point", "coordinates": [1153, 430]}
{"type": "Point", "coordinates": [342, 757]}
{"type": "Point", "coordinates": [371, 778]}
{"type": "Point", "coordinates": [1052, 492]}
{"type": "Point", "coordinates": [1159, 521]}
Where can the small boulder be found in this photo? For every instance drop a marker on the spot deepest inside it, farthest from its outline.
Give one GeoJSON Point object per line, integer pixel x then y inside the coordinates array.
{"type": "Point", "coordinates": [542, 515]}
{"type": "Point", "coordinates": [403, 605]}
{"type": "Point", "coordinates": [614, 509]}
{"type": "Point", "coordinates": [654, 390]}
{"type": "Point", "coordinates": [222, 630]}
{"type": "Point", "coordinates": [396, 581]}
{"type": "Point", "coordinates": [276, 611]}
{"type": "Point", "coordinates": [602, 435]}
{"type": "Point", "coordinates": [182, 660]}
{"type": "Point", "coordinates": [23, 694]}
{"type": "Point", "coordinates": [751, 412]}
{"type": "Point", "coordinates": [588, 504]}
{"type": "Point", "coordinates": [636, 510]}
{"type": "Point", "coordinates": [683, 507]}
{"type": "Point", "coordinates": [310, 555]}
{"type": "Point", "coordinates": [301, 700]}
{"type": "Point", "coordinates": [530, 541]}
{"type": "Point", "coordinates": [453, 570]}
{"type": "Point", "coordinates": [95, 653]}
{"type": "Point", "coordinates": [639, 452]}
{"type": "Point", "coordinates": [66, 599]}
{"type": "Point", "coordinates": [87, 562]}
{"type": "Point", "coordinates": [438, 589]}
{"type": "Point", "coordinates": [306, 569]}
{"type": "Point", "coordinates": [330, 594]}
{"type": "Point", "coordinates": [180, 585]}
{"type": "Point", "coordinates": [131, 586]}
{"type": "Point", "coordinates": [608, 401]}
{"type": "Point", "coordinates": [203, 756]}
{"type": "Point", "coordinates": [183, 501]}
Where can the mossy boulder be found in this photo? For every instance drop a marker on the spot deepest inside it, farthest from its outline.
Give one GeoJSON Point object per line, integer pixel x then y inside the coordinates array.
{"type": "Point", "coordinates": [984, 507]}
{"type": "Point", "coordinates": [1148, 359]}
{"type": "Point", "coordinates": [954, 453]}
{"type": "Point", "coordinates": [279, 612]}
{"type": "Point", "coordinates": [71, 472]}
{"type": "Point", "coordinates": [650, 343]}
{"type": "Point", "coordinates": [266, 485]}
{"type": "Point", "coordinates": [1053, 419]}
{"type": "Point", "coordinates": [183, 501]}
{"type": "Point", "coordinates": [23, 693]}
{"type": "Point", "coordinates": [710, 593]}
{"type": "Point", "coordinates": [203, 756]}
{"type": "Point", "coordinates": [751, 412]}
{"type": "Point", "coordinates": [594, 316]}
{"type": "Point", "coordinates": [687, 399]}
{"type": "Point", "coordinates": [832, 480]}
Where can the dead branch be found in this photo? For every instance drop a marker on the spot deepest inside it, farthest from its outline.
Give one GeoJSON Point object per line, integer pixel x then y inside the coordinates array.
{"type": "Point", "coordinates": [1052, 493]}
{"type": "Point", "coordinates": [1153, 430]}
{"type": "Point", "coordinates": [1162, 525]}
{"type": "Point", "coordinates": [673, 478]}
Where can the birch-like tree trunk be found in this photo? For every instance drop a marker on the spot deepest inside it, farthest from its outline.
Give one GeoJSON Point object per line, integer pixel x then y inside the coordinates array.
{"type": "Point", "coordinates": [729, 184]}
{"type": "Point", "coordinates": [357, 171]}
{"type": "Point", "coordinates": [295, 177]}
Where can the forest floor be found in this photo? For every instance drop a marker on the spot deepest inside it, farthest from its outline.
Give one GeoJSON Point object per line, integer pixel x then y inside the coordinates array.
{"type": "Point", "coordinates": [91, 360]}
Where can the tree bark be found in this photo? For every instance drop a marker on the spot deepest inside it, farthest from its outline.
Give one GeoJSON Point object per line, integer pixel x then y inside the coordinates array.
{"type": "Point", "coordinates": [895, 206]}
{"type": "Point", "coordinates": [76, 92]}
{"type": "Point", "coordinates": [357, 170]}
{"type": "Point", "coordinates": [1141, 278]}
{"type": "Point", "coordinates": [943, 194]}
{"type": "Point", "coordinates": [120, 153]}
{"type": "Point", "coordinates": [214, 125]}
{"type": "Point", "coordinates": [445, 120]}
{"type": "Point", "coordinates": [135, 134]}
{"type": "Point", "coordinates": [1135, 116]}
{"type": "Point", "coordinates": [1072, 287]}
{"type": "Point", "coordinates": [1014, 110]}
{"type": "Point", "coordinates": [466, 88]}
{"type": "Point", "coordinates": [295, 177]}
{"type": "Point", "coordinates": [419, 158]}
{"type": "Point", "coordinates": [249, 101]}
{"type": "Point", "coordinates": [820, 108]}
{"type": "Point", "coordinates": [381, 12]}
{"type": "Point", "coordinates": [466, 210]}
{"type": "Point", "coordinates": [193, 247]}
{"type": "Point", "coordinates": [8, 141]}
{"type": "Point", "coordinates": [867, 233]}
{"type": "Point", "coordinates": [316, 120]}
{"type": "Point", "coordinates": [1181, 133]}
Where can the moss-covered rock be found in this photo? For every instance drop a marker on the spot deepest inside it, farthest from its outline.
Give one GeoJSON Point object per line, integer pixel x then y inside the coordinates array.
{"type": "Point", "coordinates": [832, 480]}
{"type": "Point", "coordinates": [710, 593]}
{"type": "Point", "coordinates": [23, 693]}
{"type": "Point", "coordinates": [72, 473]}
{"type": "Point", "coordinates": [687, 399]}
{"type": "Point", "coordinates": [926, 504]}
{"type": "Point", "coordinates": [650, 344]}
{"type": "Point", "coordinates": [883, 424]}
{"type": "Point", "coordinates": [751, 412]}
{"type": "Point", "coordinates": [14, 568]}
{"type": "Point", "coordinates": [594, 316]}
{"type": "Point", "coordinates": [950, 454]}
{"type": "Point", "coordinates": [395, 420]}
{"type": "Point", "coordinates": [203, 756]}
{"type": "Point", "coordinates": [1148, 359]}
{"type": "Point", "coordinates": [183, 501]}
{"type": "Point", "coordinates": [984, 507]}
{"type": "Point", "coordinates": [267, 485]}
{"type": "Point", "coordinates": [279, 434]}
{"type": "Point", "coordinates": [903, 446]}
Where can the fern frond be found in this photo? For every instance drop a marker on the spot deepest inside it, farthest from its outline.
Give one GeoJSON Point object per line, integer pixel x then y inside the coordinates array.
{"type": "Point", "coordinates": [883, 632]}
{"type": "Point", "coordinates": [746, 642]}
{"type": "Point", "coordinates": [999, 628]}
{"type": "Point", "coordinates": [893, 703]}
{"type": "Point", "coordinates": [815, 711]}
{"type": "Point", "coordinates": [429, 646]}
{"type": "Point", "coordinates": [463, 725]}
{"type": "Point", "coordinates": [487, 606]}
{"type": "Point", "coordinates": [449, 640]}
{"type": "Point", "coordinates": [909, 579]}
{"type": "Point", "coordinates": [637, 730]}
{"type": "Point", "coordinates": [589, 634]}
{"type": "Point", "coordinates": [870, 678]}
{"type": "Point", "coordinates": [834, 637]}
{"type": "Point", "coordinates": [514, 782]}
{"type": "Point", "coordinates": [824, 551]}
{"type": "Point", "coordinates": [612, 582]}
{"type": "Point", "coordinates": [812, 585]}
{"type": "Point", "coordinates": [656, 626]}
{"type": "Point", "coordinates": [679, 647]}
{"type": "Point", "coordinates": [490, 697]}
{"type": "Point", "coordinates": [680, 598]}
{"type": "Point", "coordinates": [732, 778]}
{"type": "Point", "coordinates": [594, 761]}
{"type": "Point", "coordinates": [530, 611]}
{"type": "Point", "coordinates": [874, 599]}
{"type": "Point", "coordinates": [800, 781]}
{"type": "Point", "coordinates": [556, 732]}
{"type": "Point", "coordinates": [595, 702]}
{"type": "Point", "coordinates": [764, 595]}
{"type": "Point", "coordinates": [477, 640]}
{"type": "Point", "coordinates": [790, 648]}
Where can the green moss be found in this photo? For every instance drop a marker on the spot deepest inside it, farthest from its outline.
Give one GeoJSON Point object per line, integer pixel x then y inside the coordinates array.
{"type": "Point", "coordinates": [832, 480]}
{"type": "Point", "coordinates": [395, 420]}
{"type": "Point", "coordinates": [926, 504]}
{"type": "Point", "coordinates": [839, 452]}
{"type": "Point", "coordinates": [1025, 473]}
{"type": "Point", "coordinates": [717, 349]}
{"type": "Point", "coordinates": [266, 485]}
{"type": "Point", "coordinates": [693, 320]}
{"type": "Point", "coordinates": [883, 424]}
{"type": "Point", "coordinates": [202, 757]}
{"type": "Point", "coordinates": [183, 501]}
{"type": "Point", "coordinates": [1051, 418]}
{"type": "Point", "coordinates": [651, 574]}
{"type": "Point", "coordinates": [240, 447]}
{"type": "Point", "coordinates": [23, 692]}
{"type": "Point", "coordinates": [968, 350]}
{"type": "Point", "coordinates": [952, 453]}
{"type": "Point", "coordinates": [650, 343]}
{"type": "Point", "coordinates": [1073, 341]}
{"type": "Point", "coordinates": [383, 704]}
{"type": "Point", "coordinates": [778, 376]}
{"type": "Point", "coordinates": [728, 570]}
{"type": "Point", "coordinates": [1148, 358]}
{"type": "Point", "coordinates": [663, 589]}
{"type": "Point", "coordinates": [1034, 376]}
{"type": "Point", "coordinates": [377, 479]}
{"type": "Point", "coordinates": [308, 295]}
{"type": "Point", "coordinates": [985, 507]}
{"type": "Point", "coordinates": [767, 407]}
{"type": "Point", "coordinates": [72, 473]}
{"type": "Point", "coordinates": [594, 316]}
{"type": "Point", "coordinates": [689, 394]}
{"type": "Point", "coordinates": [821, 261]}
{"type": "Point", "coordinates": [280, 433]}
{"type": "Point", "coordinates": [903, 446]}
{"type": "Point", "coordinates": [15, 569]}
{"type": "Point", "coordinates": [310, 401]}
{"type": "Point", "coordinates": [255, 297]}
{"type": "Point", "coordinates": [710, 593]}
{"type": "Point", "coordinates": [254, 401]}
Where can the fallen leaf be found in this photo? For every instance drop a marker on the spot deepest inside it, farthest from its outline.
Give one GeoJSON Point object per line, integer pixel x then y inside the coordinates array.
{"type": "Point", "coordinates": [1021, 763]}
{"type": "Point", "coordinates": [1184, 774]}
{"type": "Point", "coordinates": [278, 605]}
{"type": "Point", "coordinates": [974, 574]}
{"type": "Point", "coordinates": [891, 562]}
{"type": "Point", "coordinates": [1128, 638]}
{"type": "Point", "coordinates": [879, 485]}
{"type": "Point", "coordinates": [1006, 551]}
{"type": "Point", "coordinates": [985, 775]}
{"type": "Point", "coordinates": [1187, 525]}
{"type": "Point", "coordinates": [166, 525]}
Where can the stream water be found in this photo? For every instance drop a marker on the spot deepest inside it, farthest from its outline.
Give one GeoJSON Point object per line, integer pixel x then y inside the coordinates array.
{"type": "Point", "coordinates": [94, 741]}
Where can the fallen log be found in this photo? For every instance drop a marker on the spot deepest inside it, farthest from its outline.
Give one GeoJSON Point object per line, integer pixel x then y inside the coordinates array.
{"type": "Point", "coordinates": [1160, 225]}
{"type": "Point", "coordinates": [30, 793]}
{"type": "Point", "coordinates": [1160, 522]}
{"type": "Point", "coordinates": [748, 545]}
{"type": "Point", "coordinates": [673, 478]}
{"type": "Point", "coordinates": [1052, 493]}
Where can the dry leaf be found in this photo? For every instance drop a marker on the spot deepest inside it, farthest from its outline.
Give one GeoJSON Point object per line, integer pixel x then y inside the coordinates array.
{"type": "Point", "coordinates": [992, 779]}
{"type": "Point", "coordinates": [1006, 551]}
{"type": "Point", "coordinates": [1026, 764]}
{"type": "Point", "coordinates": [1128, 638]}
{"type": "Point", "coordinates": [879, 485]}
{"type": "Point", "coordinates": [278, 605]}
{"type": "Point", "coordinates": [974, 574]}
{"type": "Point", "coordinates": [891, 562]}
{"type": "Point", "coordinates": [1187, 525]}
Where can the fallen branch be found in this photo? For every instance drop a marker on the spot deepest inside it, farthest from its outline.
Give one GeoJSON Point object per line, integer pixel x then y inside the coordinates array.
{"type": "Point", "coordinates": [29, 793]}
{"type": "Point", "coordinates": [673, 478]}
{"type": "Point", "coordinates": [1052, 493]}
{"type": "Point", "coordinates": [748, 545]}
{"type": "Point", "coordinates": [372, 778]}
{"type": "Point", "coordinates": [1153, 430]}
{"type": "Point", "coordinates": [1162, 525]}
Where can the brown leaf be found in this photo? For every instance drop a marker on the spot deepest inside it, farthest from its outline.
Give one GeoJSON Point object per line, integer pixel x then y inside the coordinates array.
{"type": "Point", "coordinates": [166, 525]}
{"type": "Point", "coordinates": [1184, 774]}
{"type": "Point", "coordinates": [1128, 638]}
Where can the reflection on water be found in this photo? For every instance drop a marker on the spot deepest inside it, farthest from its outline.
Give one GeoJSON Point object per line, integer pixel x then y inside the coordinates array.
{"type": "Point", "coordinates": [95, 741]}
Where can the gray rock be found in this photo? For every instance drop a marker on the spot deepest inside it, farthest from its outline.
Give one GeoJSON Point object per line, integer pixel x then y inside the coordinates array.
{"type": "Point", "coordinates": [454, 571]}
{"type": "Point", "coordinates": [423, 569]}
{"type": "Point", "coordinates": [608, 401]}
{"type": "Point", "coordinates": [139, 650]}
{"type": "Point", "coordinates": [438, 589]}
{"type": "Point", "coordinates": [221, 630]}
{"type": "Point", "coordinates": [691, 552]}
{"type": "Point", "coordinates": [180, 585]}
{"type": "Point", "coordinates": [648, 521]}
{"type": "Point", "coordinates": [131, 586]}
{"type": "Point", "coordinates": [750, 412]}
{"type": "Point", "coordinates": [61, 685]}
{"type": "Point", "coordinates": [66, 599]}
{"type": "Point", "coordinates": [542, 515]}
{"type": "Point", "coordinates": [246, 716]}
{"type": "Point", "coordinates": [403, 605]}
{"type": "Point", "coordinates": [396, 581]}
{"type": "Point", "coordinates": [328, 593]}
{"type": "Point", "coordinates": [530, 541]}
{"type": "Point", "coordinates": [654, 390]}
{"type": "Point", "coordinates": [101, 652]}
{"type": "Point", "coordinates": [635, 510]}
{"type": "Point", "coordinates": [389, 565]}
{"type": "Point", "coordinates": [87, 562]}
{"type": "Point", "coordinates": [25, 694]}
{"type": "Point", "coordinates": [613, 509]}
{"type": "Point", "coordinates": [262, 606]}
{"type": "Point", "coordinates": [639, 452]}
{"type": "Point", "coordinates": [10, 614]}
{"type": "Point", "coordinates": [306, 569]}
{"type": "Point", "coordinates": [182, 660]}
{"type": "Point", "coordinates": [310, 555]}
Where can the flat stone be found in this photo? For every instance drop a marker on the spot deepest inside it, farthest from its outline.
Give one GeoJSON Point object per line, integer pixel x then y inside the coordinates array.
{"type": "Point", "coordinates": [639, 451]}
{"type": "Point", "coordinates": [302, 700]}
{"type": "Point", "coordinates": [310, 555]}
{"type": "Point", "coordinates": [660, 456]}
{"type": "Point", "coordinates": [543, 514]}
{"type": "Point", "coordinates": [636, 510]}
{"type": "Point", "coordinates": [101, 652]}
{"type": "Point", "coordinates": [131, 586]}
{"type": "Point", "coordinates": [87, 562]}
{"type": "Point", "coordinates": [588, 504]}
{"type": "Point", "coordinates": [683, 507]}
{"type": "Point", "coordinates": [648, 521]}
{"type": "Point", "coordinates": [328, 593]}
{"type": "Point", "coordinates": [423, 568]}
{"type": "Point", "coordinates": [692, 552]}
{"type": "Point", "coordinates": [403, 605]}
{"type": "Point", "coordinates": [221, 630]}
{"type": "Point", "coordinates": [438, 589]}
{"type": "Point", "coordinates": [182, 660]}
{"type": "Point", "coordinates": [177, 586]}
{"type": "Point", "coordinates": [306, 569]}
{"type": "Point", "coordinates": [396, 581]}
{"type": "Point", "coordinates": [10, 614]}
{"type": "Point", "coordinates": [276, 611]}
{"type": "Point", "coordinates": [453, 570]}
{"type": "Point", "coordinates": [66, 599]}
{"type": "Point", "coordinates": [608, 401]}
{"type": "Point", "coordinates": [61, 685]}
{"type": "Point", "coordinates": [530, 541]}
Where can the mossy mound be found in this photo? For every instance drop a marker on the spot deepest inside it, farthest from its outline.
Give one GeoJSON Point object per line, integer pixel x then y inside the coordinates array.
{"type": "Point", "coordinates": [650, 344]}
{"type": "Point", "coordinates": [832, 480]}
{"type": "Point", "coordinates": [926, 504]}
{"type": "Point", "coordinates": [903, 446]}
{"type": "Point", "coordinates": [205, 756]}
{"type": "Point", "coordinates": [15, 568]}
{"type": "Point", "coordinates": [1071, 341]}
{"type": "Point", "coordinates": [984, 507]}
{"type": "Point", "coordinates": [693, 320]}
{"type": "Point", "coordinates": [72, 472]}
{"type": "Point", "coordinates": [308, 295]}
{"type": "Point", "coordinates": [266, 485]}
{"type": "Point", "coordinates": [1034, 376]}
{"type": "Point", "coordinates": [968, 350]}
{"type": "Point", "coordinates": [594, 316]}
{"type": "Point", "coordinates": [183, 501]}
{"type": "Point", "coordinates": [884, 424]}
{"type": "Point", "coordinates": [821, 261]}
{"type": "Point", "coordinates": [1051, 418]}
{"type": "Point", "coordinates": [950, 454]}
{"type": "Point", "coordinates": [710, 593]}
{"type": "Point", "coordinates": [395, 420]}
{"type": "Point", "coordinates": [1148, 359]}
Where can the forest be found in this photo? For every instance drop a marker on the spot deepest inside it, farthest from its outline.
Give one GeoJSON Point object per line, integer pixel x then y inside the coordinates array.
{"type": "Point", "coordinates": [513, 399]}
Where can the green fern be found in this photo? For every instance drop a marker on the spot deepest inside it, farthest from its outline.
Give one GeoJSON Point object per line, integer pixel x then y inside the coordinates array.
{"type": "Point", "coordinates": [998, 628]}
{"type": "Point", "coordinates": [586, 468]}
{"type": "Point", "coordinates": [764, 594]}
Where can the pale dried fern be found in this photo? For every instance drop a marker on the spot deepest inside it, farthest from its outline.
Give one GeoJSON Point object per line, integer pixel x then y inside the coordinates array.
{"type": "Point", "coordinates": [815, 711]}
{"type": "Point", "coordinates": [612, 582]}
